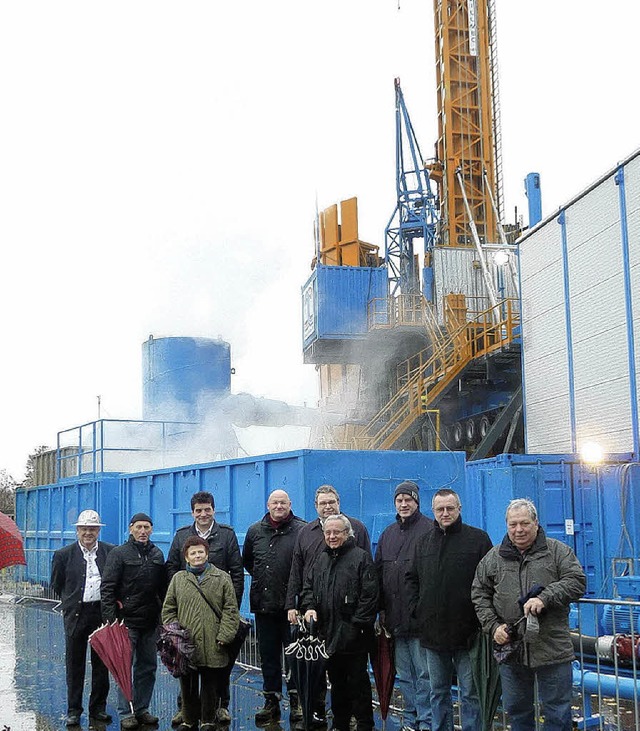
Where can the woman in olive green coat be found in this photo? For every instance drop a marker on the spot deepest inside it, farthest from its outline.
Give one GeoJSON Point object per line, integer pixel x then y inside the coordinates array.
{"type": "Point", "coordinates": [210, 630]}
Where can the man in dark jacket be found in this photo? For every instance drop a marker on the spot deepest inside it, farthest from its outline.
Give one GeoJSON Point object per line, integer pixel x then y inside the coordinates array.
{"type": "Point", "coordinates": [76, 574]}
{"type": "Point", "coordinates": [439, 584]}
{"type": "Point", "coordinates": [530, 575]}
{"type": "Point", "coordinates": [224, 553]}
{"type": "Point", "coordinates": [394, 554]}
{"type": "Point", "coordinates": [133, 587]}
{"type": "Point", "coordinates": [266, 554]}
{"type": "Point", "coordinates": [341, 594]}
{"type": "Point", "coordinates": [309, 545]}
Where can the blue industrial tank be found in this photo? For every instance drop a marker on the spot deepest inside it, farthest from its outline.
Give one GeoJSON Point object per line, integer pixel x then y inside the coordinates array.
{"type": "Point", "coordinates": [182, 376]}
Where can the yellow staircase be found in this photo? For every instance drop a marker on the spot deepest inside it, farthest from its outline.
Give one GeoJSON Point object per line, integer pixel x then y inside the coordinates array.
{"type": "Point", "coordinates": [427, 375]}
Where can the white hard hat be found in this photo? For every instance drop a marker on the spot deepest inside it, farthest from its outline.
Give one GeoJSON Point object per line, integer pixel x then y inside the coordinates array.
{"type": "Point", "coordinates": [89, 518]}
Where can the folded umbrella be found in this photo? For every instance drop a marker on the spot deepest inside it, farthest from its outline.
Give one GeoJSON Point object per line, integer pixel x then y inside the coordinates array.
{"type": "Point", "coordinates": [11, 543]}
{"type": "Point", "coordinates": [176, 649]}
{"type": "Point", "coordinates": [384, 668]}
{"type": "Point", "coordinates": [307, 658]}
{"type": "Point", "coordinates": [111, 642]}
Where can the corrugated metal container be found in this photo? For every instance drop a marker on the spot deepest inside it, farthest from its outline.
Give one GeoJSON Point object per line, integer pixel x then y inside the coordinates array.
{"type": "Point", "coordinates": [590, 508]}
{"type": "Point", "coordinates": [580, 275]}
{"type": "Point", "coordinates": [334, 302]}
{"type": "Point", "coordinates": [366, 481]}
{"type": "Point", "coordinates": [180, 376]}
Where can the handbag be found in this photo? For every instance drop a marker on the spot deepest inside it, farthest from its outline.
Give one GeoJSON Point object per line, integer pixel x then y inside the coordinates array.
{"type": "Point", "coordinates": [176, 649]}
{"type": "Point", "coordinates": [233, 648]}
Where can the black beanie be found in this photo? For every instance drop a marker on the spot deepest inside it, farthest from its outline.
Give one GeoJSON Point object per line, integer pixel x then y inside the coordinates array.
{"type": "Point", "coordinates": [408, 488]}
{"type": "Point", "coordinates": [140, 516]}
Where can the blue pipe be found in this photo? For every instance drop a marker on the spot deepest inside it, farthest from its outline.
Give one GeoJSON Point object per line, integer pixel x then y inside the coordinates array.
{"type": "Point", "coordinates": [605, 685]}
{"type": "Point", "coordinates": [534, 198]}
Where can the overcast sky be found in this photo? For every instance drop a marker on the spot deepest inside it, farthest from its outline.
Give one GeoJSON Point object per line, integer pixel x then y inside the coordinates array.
{"type": "Point", "coordinates": [160, 163]}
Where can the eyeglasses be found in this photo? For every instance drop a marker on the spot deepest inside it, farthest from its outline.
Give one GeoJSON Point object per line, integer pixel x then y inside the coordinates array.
{"type": "Point", "coordinates": [446, 509]}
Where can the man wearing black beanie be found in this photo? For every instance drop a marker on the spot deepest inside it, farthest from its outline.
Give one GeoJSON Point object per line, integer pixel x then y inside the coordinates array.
{"type": "Point", "coordinates": [394, 554]}
{"type": "Point", "coordinates": [133, 588]}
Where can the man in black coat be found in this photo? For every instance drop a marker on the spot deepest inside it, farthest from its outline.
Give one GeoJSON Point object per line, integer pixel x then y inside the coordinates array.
{"type": "Point", "coordinates": [394, 554]}
{"type": "Point", "coordinates": [439, 584]}
{"type": "Point", "coordinates": [341, 594]}
{"type": "Point", "coordinates": [133, 589]}
{"type": "Point", "coordinates": [309, 545]}
{"type": "Point", "coordinates": [267, 554]}
{"type": "Point", "coordinates": [76, 574]}
{"type": "Point", "coordinates": [224, 553]}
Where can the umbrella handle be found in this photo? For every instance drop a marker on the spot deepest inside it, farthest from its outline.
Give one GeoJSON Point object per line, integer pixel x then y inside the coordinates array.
{"type": "Point", "coordinates": [312, 627]}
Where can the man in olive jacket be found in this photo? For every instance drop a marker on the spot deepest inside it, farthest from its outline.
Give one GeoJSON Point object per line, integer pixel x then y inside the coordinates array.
{"type": "Point", "coordinates": [266, 554]}
{"type": "Point", "coordinates": [439, 588]}
{"type": "Point", "coordinates": [530, 575]}
{"type": "Point", "coordinates": [133, 588]}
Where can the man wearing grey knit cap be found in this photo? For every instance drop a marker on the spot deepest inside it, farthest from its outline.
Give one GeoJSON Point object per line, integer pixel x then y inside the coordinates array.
{"type": "Point", "coordinates": [394, 555]}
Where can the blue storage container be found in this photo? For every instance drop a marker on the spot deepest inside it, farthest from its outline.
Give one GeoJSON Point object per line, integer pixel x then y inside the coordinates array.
{"type": "Point", "coordinates": [334, 304]}
{"type": "Point", "coordinates": [591, 508]}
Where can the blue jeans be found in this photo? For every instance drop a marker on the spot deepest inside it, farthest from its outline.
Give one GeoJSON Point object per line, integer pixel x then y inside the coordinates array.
{"type": "Point", "coordinates": [413, 681]}
{"type": "Point", "coordinates": [441, 667]}
{"type": "Point", "coordinates": [554, 691]}
{"type": "Point", "coordinates": [143, 647]}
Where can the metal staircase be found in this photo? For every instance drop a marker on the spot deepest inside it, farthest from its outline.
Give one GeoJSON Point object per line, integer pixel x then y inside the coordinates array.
{"type": "Point", "coordinates": [425, 377]}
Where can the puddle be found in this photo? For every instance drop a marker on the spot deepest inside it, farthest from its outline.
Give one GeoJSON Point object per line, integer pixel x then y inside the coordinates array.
{"type": "Point", "coordinates": [33, 690]}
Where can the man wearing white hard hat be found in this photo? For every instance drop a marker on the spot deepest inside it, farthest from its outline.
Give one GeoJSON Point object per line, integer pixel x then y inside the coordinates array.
{"type": "Point", "coordinates": [76, 575]}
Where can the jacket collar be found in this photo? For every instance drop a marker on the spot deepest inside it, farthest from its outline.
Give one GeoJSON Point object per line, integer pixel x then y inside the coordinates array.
{"type": "Point", "coordinates": [413, 518]}
{"type": "Point", "coordinates": [508, 551]}
{"type": "Point", "coordinates": [349, 544]}
{"type": "Point", "coordinates": [455, 527]}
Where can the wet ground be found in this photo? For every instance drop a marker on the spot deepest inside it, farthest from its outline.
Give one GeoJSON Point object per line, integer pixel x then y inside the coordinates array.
{"type": "Point", "coordinates": [32, 684]}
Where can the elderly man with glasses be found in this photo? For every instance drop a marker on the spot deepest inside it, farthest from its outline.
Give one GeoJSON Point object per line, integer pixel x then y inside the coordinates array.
{"type": "Point", "coordinates": [341, 594]}
{"type": "Point", "coordinates": [439, 587]}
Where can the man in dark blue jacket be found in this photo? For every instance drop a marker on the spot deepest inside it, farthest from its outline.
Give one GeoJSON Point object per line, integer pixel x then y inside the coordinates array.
{"type": "Point", "coordinates": [76, 574]}
{"type": "Point", "coordinates": [394, 554]}
{"type": "Point", "coordinates": [266, 554]}
{"type": "Point", "coordinates": [439, 583]}
{"type": "Point", "coordinates": [133, 589]}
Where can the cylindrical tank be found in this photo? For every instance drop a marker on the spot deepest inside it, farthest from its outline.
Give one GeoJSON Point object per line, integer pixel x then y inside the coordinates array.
{"type": "Point", "coordinates": [182, 376]}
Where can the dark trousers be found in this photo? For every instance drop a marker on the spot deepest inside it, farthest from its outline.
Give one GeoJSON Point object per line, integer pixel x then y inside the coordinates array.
{"type": "Point", "coordinates": [76, 658]}
{"type": "Point", "coordinates": [350, 690]}
{"type": "Point", "coordinates": [274, 633]}
{"type": "Point", "coordinates": [199, 696]}
{"type": "Point", "coordinates": [223, 682]}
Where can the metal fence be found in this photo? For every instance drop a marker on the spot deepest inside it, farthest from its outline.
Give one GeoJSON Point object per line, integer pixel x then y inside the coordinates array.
{"type": "Point", "coordinates": [606, 682]}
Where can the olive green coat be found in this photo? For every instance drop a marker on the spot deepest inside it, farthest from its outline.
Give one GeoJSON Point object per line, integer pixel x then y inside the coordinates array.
{"type": "Point", "coordinates": [184, 604]}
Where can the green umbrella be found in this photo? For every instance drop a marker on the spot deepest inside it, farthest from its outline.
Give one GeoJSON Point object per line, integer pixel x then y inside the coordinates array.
{"type": "Point", "coordinates": [486, 677]}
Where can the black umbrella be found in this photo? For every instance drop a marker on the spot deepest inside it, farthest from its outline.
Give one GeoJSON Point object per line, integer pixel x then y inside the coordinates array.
{"type": "Point", "coordinates": [307, 660]}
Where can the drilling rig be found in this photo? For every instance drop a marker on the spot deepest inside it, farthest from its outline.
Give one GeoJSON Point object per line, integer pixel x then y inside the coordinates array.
{"type": "Point", "coordinates": [420, 348]}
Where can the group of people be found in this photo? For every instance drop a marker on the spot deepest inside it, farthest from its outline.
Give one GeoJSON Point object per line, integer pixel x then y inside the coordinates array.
{"type": "Point", "coordinates": [435, 584]}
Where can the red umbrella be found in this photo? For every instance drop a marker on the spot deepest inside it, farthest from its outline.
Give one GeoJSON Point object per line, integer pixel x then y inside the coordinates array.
{"type": "Point", "coordinates": [384, 669]}
{"type": "Point", "coordinates": [11, 544]}
{"type": "Point", "coordinates": [111, 642]}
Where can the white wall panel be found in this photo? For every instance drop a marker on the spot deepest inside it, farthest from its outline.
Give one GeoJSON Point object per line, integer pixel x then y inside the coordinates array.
{"type": "Point", "coordinates": [598, 321]}
{"type": "Point", "coordinates": [632, 182]}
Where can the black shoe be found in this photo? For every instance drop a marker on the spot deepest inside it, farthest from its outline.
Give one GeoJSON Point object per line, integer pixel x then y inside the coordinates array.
{"type": "Point", "coordinates": [270, 711]}
{"type": "Point", "coordinates": [73, 719]}
{"type": "Point", "coordinates": [148, 718]}
{"type": "Point", "coordinates": [101, 716]}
